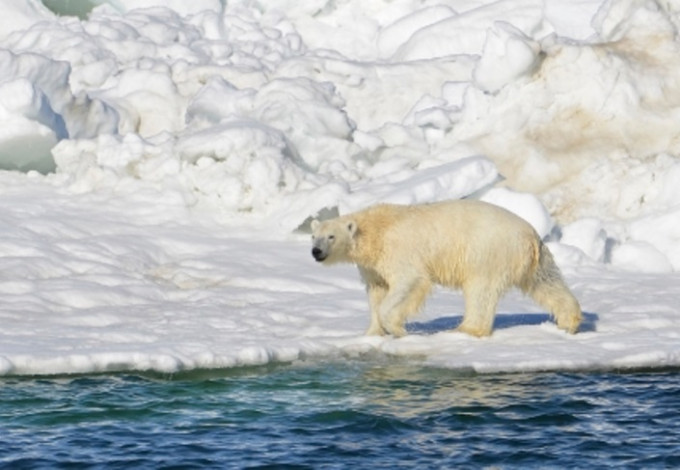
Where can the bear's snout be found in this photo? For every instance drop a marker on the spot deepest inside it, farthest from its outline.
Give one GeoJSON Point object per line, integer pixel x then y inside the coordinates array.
{"type": "Point", "coordinates": [318, 254]}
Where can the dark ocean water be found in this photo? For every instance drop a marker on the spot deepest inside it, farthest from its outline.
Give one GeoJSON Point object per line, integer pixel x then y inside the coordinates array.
{"type": "Point", "coordinates": [358, 414]}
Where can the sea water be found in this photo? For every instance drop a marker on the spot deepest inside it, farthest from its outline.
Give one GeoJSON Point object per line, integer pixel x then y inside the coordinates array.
{"type": "Point", "coordinates": [375, 413]}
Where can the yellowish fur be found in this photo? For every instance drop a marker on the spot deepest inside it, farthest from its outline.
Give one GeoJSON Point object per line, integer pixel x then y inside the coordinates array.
{"type": "Point", "coordinates": [402, 251]}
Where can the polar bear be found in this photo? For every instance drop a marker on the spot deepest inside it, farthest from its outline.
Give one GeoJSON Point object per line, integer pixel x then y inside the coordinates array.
{"type": "Point", "coordinates": [403, 250]}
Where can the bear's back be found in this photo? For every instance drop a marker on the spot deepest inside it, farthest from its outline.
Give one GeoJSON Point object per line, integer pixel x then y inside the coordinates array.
{"type": "Point", "coordinates": [472, 213]}
{"type": "Point", "coordinates": [456, 231]}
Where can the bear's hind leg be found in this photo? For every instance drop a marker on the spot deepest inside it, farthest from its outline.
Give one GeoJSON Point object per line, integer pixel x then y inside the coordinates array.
{"type": "Point", "coordinates": [549, 290]}
{"type": "Point", "coordinates": [480, 308]}
{"type": "Point", "coordinates": [558, 299]}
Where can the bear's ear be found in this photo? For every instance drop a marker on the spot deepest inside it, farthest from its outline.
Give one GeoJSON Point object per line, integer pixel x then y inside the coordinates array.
{"type": "Point", "coordinates": [352, 228]}
{"type": "Point", "coordinates": [315, 224]}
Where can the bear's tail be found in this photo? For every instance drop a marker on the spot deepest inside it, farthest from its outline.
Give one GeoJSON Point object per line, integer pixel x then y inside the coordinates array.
{"type": "Point", "coordinates": [550, 291]}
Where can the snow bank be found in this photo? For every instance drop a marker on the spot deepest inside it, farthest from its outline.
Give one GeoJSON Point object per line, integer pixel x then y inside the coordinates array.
{"type": "Point", "coordinates": [564, 101]}
{"type": "Point", "coordinates": [19, 15]}
{"type": "Point", "coordinates": [182, 143]}
{"type": "Point", "coordinates": [38, 109]}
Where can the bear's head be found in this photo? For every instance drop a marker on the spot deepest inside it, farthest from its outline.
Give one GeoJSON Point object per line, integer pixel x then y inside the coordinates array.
{"type": "Point", "coordinates": [332, 240]}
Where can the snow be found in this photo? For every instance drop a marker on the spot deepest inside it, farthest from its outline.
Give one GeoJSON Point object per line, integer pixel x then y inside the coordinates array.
{"type": "Point", "coordinates": [161, 160]}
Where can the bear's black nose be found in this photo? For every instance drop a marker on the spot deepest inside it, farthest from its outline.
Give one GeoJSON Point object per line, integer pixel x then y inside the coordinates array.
{"type": "Point", "coordinates": [317, 253]}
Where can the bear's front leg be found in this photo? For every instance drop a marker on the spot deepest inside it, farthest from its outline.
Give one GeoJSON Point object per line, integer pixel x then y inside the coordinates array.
{"type": "Point", "coordinates": [403, 299]}
{"type": "Point", "coordinates": [376, 294]}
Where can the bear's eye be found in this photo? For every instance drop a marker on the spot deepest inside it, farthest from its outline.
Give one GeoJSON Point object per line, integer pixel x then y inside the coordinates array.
{"type": "Point", "coordinates": [331, 238]}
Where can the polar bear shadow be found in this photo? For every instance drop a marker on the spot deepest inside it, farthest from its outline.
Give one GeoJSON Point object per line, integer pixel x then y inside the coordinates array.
{"type": "Point", "coordinates": [501, 322]}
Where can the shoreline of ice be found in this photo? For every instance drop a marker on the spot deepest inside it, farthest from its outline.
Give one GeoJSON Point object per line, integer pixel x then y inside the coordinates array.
{"type": "Point", "coordinates": [90, 288]}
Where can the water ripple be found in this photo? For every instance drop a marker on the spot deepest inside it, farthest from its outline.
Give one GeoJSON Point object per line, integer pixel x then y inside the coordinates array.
{"type": "Point", "coordinates": [341, 415]}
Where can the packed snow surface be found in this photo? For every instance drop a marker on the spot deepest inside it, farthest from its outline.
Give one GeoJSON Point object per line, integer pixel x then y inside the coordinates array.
{"type": "Point", "coordinates": [161, 161]}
